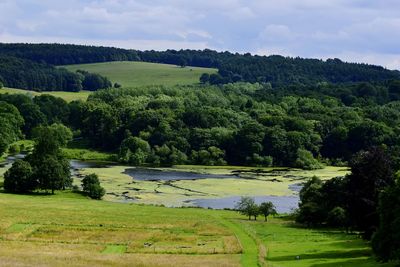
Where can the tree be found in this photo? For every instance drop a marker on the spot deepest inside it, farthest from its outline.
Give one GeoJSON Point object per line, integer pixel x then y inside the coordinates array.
{"type": "Point", "coordinates": [52, 173]}
{"type": "Point", "coordinates": [311, 211]}
{"type": "Point", "coordinates": [371, 172]}
{"type": "Point", "coordinates": [49, 139]}
{"type": "Point", "coordinates": [134, 150]}
{"type": "Point", "coordinates": [91, 186]}
{"type": "Point", "coordinates": [18, 179]}
{"type": "Point", "coordinates": [50, 167]}
{"type": "Point", "coordinates": [248, 207]}
{"type": "Point", "coordinates": [305, 160]}
{"type": "Point", "coordinates": [337, 217]}
{"type": "Point", "coordinates": [204, 78]}
{"type": "Point", "coordinates": [266, 209]}
{"type": "Point", "coordinates": [386, 240]}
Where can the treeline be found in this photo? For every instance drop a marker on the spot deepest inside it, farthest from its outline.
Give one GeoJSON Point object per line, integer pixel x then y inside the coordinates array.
{"type": "Point", "coordinates": [238, 124]}
{"type": "Point", "coordinates": [26, 74]}
{"type": "Point", "coordinates": [366, 200]}
{"type": "Point", "coordinates": [66, 54]}
{"type": "Point", "coordinates": [276, 70]}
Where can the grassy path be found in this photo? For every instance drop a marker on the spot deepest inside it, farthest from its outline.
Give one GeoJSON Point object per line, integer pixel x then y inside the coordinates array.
{"type": "Point", "coordinates": [249, 256]}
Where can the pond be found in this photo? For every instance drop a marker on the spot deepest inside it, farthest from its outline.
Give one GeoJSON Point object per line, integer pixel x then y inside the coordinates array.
{"type": "Point", "coordinates": [148, 174]}
{"type": "Point", "coordinates": [217, 188]}
{"type": "Point", "coordinates": [283, 204]}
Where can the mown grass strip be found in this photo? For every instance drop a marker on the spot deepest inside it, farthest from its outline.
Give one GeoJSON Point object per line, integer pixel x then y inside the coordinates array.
{"type": "Point", "coordinates": [114, 249]}
{"type": "Point", "coordinates": [249, 247]}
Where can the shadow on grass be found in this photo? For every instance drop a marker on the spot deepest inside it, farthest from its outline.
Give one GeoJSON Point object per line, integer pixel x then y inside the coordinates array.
{"type": "Point", "coordinates": [354, 262]}
{"type": "Point", "coordinates": [354, 253]}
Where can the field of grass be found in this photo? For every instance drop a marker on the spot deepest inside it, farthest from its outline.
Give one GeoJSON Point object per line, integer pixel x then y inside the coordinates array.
{"type": "Point", "coordinates": [288, 244]}
{"type": "Point", "coordinates": [67, 96]}
{"type": "Point", "coordinates": [132, 74]}
{"type": "Point", "coordinates": [69, 229]}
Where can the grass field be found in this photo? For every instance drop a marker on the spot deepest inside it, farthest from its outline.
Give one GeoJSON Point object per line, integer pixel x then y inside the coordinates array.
{"type": "Point", "coordinates": [67, 96]}
{"type": "Point", "coordinates": [132, 74]}
{"type": "Point", "coordinates": [69, 229]}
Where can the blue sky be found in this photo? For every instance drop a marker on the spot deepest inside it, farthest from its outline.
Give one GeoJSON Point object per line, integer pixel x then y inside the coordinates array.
{"type": "Point", "coordinates": [353, 30]}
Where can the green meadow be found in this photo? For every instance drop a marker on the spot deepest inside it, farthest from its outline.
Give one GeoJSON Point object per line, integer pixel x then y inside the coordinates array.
{"type": "Point", "coordinates": [67, 96]}
{"type": "Point", "coordinates": [69, 229]}
{"type": "Point", "coordinates": [132, 74]}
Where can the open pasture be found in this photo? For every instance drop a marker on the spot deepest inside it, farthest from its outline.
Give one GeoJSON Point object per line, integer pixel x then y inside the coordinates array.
{"type": "Point", "coordinates": [67, 96]}
{"type": "Point", "coordinates": [133, 73]}
{"type": "Point", "coordinates": [46, 230]}
{"type": "Point", "coordinates": [69, 229]}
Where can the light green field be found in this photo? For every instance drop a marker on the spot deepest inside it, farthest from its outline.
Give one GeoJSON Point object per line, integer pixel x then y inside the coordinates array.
{"type": "Point", "coordinates": [132, 74]}
{"type": "Point", "coordinates": [70, 230]}
{"type": "Point", "coordinates": [67, 96]}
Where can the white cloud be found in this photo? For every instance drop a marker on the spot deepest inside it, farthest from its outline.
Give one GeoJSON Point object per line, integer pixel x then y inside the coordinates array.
{"type": "Point", "coordinates": [358, 30]}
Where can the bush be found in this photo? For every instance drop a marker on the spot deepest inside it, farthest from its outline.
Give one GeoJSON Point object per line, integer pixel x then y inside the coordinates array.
{"type": "Point", "coordinates": [91, 186]}
{"type": "Point", "coordinates": [305, 160]}
{"type": "Point", "coordinates": [18, 179]}
{"type": "Point", "coordinates": [337, 217]}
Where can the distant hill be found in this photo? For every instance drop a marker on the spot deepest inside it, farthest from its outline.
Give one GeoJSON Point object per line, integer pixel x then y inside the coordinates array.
{"type": "Point", "coordinates": [129, 74]}
{"type": "Point", "coordinates": [277, 70]}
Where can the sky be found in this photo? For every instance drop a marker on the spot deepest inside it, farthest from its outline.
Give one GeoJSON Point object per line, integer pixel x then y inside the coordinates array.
{"type": "Point", "coordinates": [365, 31]}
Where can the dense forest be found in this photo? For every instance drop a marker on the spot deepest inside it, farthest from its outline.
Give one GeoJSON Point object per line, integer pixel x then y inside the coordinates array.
{"type": "Point", "coordinates": [276, 70]}
{"type": "Point", "coordinates": [241, 124]}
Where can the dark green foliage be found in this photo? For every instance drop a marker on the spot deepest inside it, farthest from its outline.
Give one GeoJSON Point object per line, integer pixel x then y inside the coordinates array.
{"type": "Point", "coordinates": [213, 156]}
{"type": "Point", "coordinates": [49, 139]}
{"type": "Point", "coordinates": [134, 150]}
{"type": "Point", "coordinates": [311, 211]}
{"type": "Point", "coordinates": [386, 240]}
{"type": "Point", "coordinates": [350, 201]}
{"type": "Point", "coordinates": [52, 172]}
{"type": "Point", "coordinates": [276, 70]}
{"type": "Point", "coordinates": [91, 186]}
{"type": "Point", "coordinates": [205, 78]}
{"type": "Point", "coordinates": [55, 109]}
{"type": "Point", "coordinates": [66, 54]}
{"type": "Point", "coordinates": [25, 74]}
{"type": "Point", "coordinates": [266, 209]}
{"type": "Point", "coordinates": [19, 179]}
{"type": "Point", "coordinates": [50, 168]}
{"type": "Point", "coordinates": [371, 172]}
{"type": "Point", "coordinates": [305, 160]}
{"type": "Point", "coordinates": [10, 124]}
{"type": "Point", "coordinates": [93, 81]}
{"type": "Point", "coordinates": [337, 217]}
{"type": "Point", "coordinates": [248, 207]}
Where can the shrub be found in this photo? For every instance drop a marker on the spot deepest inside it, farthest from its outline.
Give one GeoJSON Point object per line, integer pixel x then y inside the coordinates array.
{"type": "Point", "coordinates": [91, 186]}
{"type": "Point", "coordinates": [18, 179]}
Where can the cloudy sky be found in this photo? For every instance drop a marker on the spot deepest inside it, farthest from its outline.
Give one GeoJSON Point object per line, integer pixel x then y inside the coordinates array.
{"type": "Point", "coordinates": [353, 30]}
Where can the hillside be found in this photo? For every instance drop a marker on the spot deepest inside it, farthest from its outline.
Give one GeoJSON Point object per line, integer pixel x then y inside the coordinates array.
{"type": "Point", "coordinates": [130, 74]}
{"type": "Point", "coordinates": [232, 67]}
